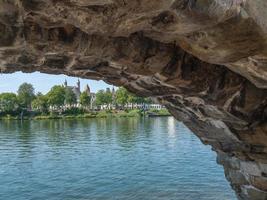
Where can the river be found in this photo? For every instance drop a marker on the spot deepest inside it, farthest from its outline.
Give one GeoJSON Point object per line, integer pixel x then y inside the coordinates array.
{"type": "Point", "coordinates": [107, 159]}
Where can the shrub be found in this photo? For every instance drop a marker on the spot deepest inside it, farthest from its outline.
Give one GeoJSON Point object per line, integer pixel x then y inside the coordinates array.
{"type": "Point", "coordinates": [134, 113]}
{"type": "Point", "coordinates": [89, 115]}
{"type": "Point", "coordinates": [102, 114]}
{"type": "Point", "coordinates": [164, 112]}
{"type": "Point", "coordinates": [73, 111]}
{"type": "Point", "coordinates": [129, 113]}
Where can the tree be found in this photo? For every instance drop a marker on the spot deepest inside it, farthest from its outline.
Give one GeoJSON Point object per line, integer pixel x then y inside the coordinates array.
{"type": "Point", "coordinates": [85, 100]}
{"type": "Point", "coordinates": [100, 96]}
{"type": "Point", "coordinates": [108, 97]}
{"type": "Point", "coordinates": [148, 100]}
{"type": "Point", "coordinates": [138, 100]}
{"type": "Point", "coordinates": [122, 96]}
{"type": "Point", "coordinates": [70, 97]}
{"type": "Point", "coordinates": [40, 103]}
{"type": "Point", "coordinates": [26, 95]}
{"type": "Point", "coordinates": [103, 97]}
{"type": "Point", "coordinates": [133, 99]}
{"type": "Point", "coordinates": [56, 96]}
{"type": "Point", "coordinates": [8, 102]}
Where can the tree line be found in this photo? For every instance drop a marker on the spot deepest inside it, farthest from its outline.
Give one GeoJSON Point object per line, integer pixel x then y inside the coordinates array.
{"type": "Point", "coordinates": [121, 98]}
{"type": "Point", "coordinates": [26, 99]}
{"type": "Point", "coordinates": [60, 96]}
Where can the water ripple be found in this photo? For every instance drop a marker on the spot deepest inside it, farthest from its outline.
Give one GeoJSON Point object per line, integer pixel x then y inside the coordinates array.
{"type": "Point", "coordinates": [107, 159]}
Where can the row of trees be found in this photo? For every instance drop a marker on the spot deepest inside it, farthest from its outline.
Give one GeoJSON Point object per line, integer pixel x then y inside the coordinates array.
{"type": "Point", "coordinates": [11, 101]}
{"type": "Point", "coordinates": [59, 96]}
{"type": "Point", "coordinates": [26, 99]}
{"type": "Point", "coordinates": [121, 98]}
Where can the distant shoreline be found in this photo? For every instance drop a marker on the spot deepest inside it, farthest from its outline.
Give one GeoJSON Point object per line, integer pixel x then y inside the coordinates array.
{"type": "Point", "coordinates": [99, 114]}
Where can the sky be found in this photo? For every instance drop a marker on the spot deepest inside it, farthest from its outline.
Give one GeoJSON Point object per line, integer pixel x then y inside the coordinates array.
{"type": "Point", "coordinates": [43, 82]}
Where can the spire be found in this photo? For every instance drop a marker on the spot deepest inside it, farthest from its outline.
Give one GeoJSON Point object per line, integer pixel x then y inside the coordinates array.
{"type": "Point", "coordinates": [87, 89]}
{"type": "Point", "coordinates": [65, 83]}
{"type": "Point", "coordinates": [79, 85]}
{"type": "Point", "coordinates": [113, 95]}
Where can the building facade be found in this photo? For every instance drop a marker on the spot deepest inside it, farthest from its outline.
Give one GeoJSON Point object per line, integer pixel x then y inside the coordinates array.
{"type": "Point", "coordinates": [77, 91]}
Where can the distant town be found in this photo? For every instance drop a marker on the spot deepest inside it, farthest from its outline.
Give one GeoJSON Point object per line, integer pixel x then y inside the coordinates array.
{"type": "Point", "coordinates": [71, 101]}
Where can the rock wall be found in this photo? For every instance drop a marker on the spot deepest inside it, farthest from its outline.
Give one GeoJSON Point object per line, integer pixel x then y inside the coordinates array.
{"type": "Point", "coordinates": [205, 60]}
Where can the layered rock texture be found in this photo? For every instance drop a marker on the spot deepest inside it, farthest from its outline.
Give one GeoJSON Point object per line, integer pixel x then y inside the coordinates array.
{"type": "Point", "coordinates": [205, 60]}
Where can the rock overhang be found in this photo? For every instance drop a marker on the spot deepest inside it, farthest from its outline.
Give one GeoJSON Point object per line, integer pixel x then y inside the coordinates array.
{"type": "Point", "coordinates": [205, 60]}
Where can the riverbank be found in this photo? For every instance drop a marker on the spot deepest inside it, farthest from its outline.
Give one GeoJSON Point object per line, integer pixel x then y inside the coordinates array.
{"type": "Point", "coordinates": [95, 114]}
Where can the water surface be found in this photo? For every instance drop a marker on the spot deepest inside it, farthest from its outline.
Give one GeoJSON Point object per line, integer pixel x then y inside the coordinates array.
{"type": "Point", "coordinates": [106, 159]}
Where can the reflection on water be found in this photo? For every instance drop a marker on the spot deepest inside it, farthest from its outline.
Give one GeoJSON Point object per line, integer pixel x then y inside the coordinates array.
{"type": "Point", "coordinates": [148, 159]}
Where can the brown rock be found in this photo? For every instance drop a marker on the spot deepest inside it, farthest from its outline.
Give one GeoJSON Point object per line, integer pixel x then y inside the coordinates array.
{"type": "Point", "coordinates": [206, 61]}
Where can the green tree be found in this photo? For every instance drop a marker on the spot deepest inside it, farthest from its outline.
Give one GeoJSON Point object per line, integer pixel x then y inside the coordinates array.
{"type": "Point", "coordinates": [103, 97]}
{"type": "Point", "coordinates": [85, 100]}
{"type": "Point", "coordinates": [133, 99]}
{"type": "Point", "coordinates": [40, 103]}
{"type": "Point", "coordinates": [148, 100]}
{"type": "Point", "coordinates": [122, 96]}
{"type": "Point", "coordinates": [8, 102]}
{"type": "Point", "coordinates": [140, 100]}
{"type": "Point", "coordinates": [70, 97]}
{"type": "Point", "coordinates": [26, 95]}
{"type": "Point", "coordinates": [108, 97]}
{"type": "Point", "coordinates": [56, 96]}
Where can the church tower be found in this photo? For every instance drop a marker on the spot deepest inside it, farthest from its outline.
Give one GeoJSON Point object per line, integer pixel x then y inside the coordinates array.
{"type": "Point", "coordinates": [113, 95]}
{"type": "Point", "coordinates": [87, 90]}
{"type": "Point", "coordinates": [79, 85]}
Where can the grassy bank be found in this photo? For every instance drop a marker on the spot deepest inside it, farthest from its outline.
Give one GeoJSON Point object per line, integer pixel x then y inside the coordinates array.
{"type": "Point", "coordinates": [99, 114]}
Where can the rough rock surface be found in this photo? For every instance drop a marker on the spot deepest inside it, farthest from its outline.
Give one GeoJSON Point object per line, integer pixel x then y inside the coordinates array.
{"type": "Point", "coordinates": [205, 60]}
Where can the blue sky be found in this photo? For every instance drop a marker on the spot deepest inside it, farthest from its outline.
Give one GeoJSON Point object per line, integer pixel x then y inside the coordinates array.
{"type": "Point", "coordinates": [43, 82]}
